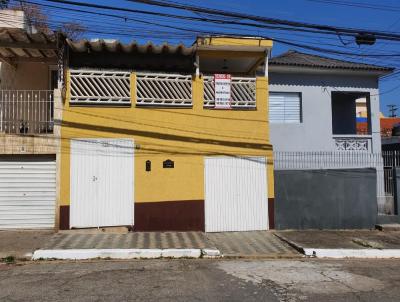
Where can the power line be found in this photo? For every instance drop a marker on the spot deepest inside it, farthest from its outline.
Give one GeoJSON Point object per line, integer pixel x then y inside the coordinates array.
{"type": "Point", "coordinates": [304, 46]}
{"type": "Point", "coordinates": [267, 22]}
{"type": "Point", "coordinates": [332, 29]}
{"type": "Point", "coordinates": [382, 7]}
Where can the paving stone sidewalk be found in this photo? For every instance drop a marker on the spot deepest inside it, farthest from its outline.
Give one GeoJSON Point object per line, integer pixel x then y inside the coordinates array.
{"type": "Point", "coordinates": [256, 244]}
{"type": "Point", "coordinates": [135, 240]}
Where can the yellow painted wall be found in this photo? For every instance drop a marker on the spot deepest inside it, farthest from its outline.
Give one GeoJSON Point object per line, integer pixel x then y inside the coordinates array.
{"type": "Point", "coordinates": [184, 135]}
{"type": "Point", "coordinates": [234, 41]}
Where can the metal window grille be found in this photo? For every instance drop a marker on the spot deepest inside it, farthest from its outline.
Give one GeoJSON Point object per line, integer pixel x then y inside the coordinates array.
{"type": "Point", "coordinates": [243, 92]}
{"type": "Point", "coordinates": [26, 111]}
{"type": "Point", "coordinates": [100, 87]}
{"type": "Point", "coordinates": [156, 89]}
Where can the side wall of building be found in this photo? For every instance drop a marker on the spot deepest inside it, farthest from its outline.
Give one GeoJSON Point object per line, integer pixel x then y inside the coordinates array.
{"type": "Point", "coordinates": [184, 135]}
{"type": "Point", "coordinates": [26, 76]}
{"type": "Point", "coordinates": [314, 133]}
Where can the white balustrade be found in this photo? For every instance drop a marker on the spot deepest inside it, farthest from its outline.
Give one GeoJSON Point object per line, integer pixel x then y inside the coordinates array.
{"type": "Point", "coordinates": [159, 89]}
{"type": "Point", "coordinates": [352, 142]}
{"type": "Point", "coordinates": [243, 92]}
{"type": "Point", "coordinates": [99, 87]}
{"type": "Point", "coordinates": [26, 111]}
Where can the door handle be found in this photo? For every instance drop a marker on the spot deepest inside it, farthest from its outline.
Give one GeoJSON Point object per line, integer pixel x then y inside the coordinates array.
{"type": "Point", "coordinates": [94, 178]}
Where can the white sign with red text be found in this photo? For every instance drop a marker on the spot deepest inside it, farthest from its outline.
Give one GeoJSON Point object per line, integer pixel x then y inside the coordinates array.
{"type": "Point", "coordinates": [222, 85]}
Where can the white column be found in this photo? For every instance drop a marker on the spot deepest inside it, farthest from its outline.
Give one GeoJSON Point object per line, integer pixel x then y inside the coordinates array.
{"type": "Point", "coordinates": [375, 121]}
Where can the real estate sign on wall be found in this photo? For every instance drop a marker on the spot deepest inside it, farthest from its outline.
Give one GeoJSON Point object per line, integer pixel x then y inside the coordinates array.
{"type": "Point", "coordinates": [222, 85]}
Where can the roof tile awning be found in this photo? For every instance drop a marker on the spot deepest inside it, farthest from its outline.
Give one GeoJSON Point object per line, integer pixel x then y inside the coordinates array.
{"type": "Point", "coordinates": [100, 45]}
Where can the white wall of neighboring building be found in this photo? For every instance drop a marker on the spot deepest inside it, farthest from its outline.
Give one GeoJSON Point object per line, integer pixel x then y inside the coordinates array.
{"type": "Point", "coordinates": [314, 133]}
{"type": "Point", "coordinates": [13, 19]}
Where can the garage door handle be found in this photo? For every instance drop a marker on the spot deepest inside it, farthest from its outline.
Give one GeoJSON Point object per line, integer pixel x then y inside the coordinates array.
{"type": "Point", "coordinates": [94, 178]}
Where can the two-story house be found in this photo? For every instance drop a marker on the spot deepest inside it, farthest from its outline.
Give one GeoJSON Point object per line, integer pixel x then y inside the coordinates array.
{"type": "Point", "coordinates": [166, 137]}
{"type": "Point", "coordinates": [314, 99]}
{"type": "Point", "coordinates": [28, 136]}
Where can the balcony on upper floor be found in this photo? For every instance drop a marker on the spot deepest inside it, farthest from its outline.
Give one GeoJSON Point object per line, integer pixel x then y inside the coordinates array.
{"type": "Point", "coordinates": [351, 122]}
{"type": "Point", "coordinates": [26, 112]}
{"type": "Point", "coordinates": [107, 87]}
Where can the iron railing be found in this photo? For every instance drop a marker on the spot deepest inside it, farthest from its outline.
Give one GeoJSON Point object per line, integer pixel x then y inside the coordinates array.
{"type": "Point", "coordinates": [159, 89]}
{"type": "Point", "coordinates": [243, 92]}
{"type": "Point", "coordinates": [26, 111]}
{"type": "Point", "coordinates": [100, 87]}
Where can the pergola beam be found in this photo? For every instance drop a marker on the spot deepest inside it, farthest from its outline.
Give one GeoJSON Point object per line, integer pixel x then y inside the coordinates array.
{"type": "Point", "coordinates": [35, 60]}
{"type": "Point", "coordinates": [27, 45]}
{"type": "Point", "coordinates": [8, 61]}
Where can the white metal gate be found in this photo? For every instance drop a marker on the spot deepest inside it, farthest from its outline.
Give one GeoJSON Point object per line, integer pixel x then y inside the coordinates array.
{"type": "Point", "coordinates": [236, 197]}
{"type": "Point", "coordinates": [27, 193]}
{"type": "Point", "coordinates": [102, 182]}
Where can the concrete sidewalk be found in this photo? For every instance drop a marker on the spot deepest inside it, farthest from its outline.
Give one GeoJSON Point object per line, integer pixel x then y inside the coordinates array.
{"type": "Point", "coordinates": [22, 244]}
{"type": "Point", "coordinates": [344, 243]}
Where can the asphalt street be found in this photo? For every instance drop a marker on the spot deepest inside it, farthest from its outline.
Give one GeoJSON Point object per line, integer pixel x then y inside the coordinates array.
{"type": "Point", "coordinates": [202, 280]}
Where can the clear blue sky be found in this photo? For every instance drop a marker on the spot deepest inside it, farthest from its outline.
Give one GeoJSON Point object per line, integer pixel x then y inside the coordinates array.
{"type": "Point", "coordinates": [385, 19]}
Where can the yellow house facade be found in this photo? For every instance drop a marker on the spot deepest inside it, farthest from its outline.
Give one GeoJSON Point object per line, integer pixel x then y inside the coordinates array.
{"type": "Point", "coordinates": [144, 143]}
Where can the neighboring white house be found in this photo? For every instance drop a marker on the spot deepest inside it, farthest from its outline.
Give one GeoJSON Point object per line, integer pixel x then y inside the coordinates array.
{"type": "Point", "coordinates": [313, 103]}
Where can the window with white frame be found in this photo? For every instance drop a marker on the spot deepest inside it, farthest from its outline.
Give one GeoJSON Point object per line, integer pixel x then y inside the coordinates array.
{"type": "Point", "coordinates": [285, 107]}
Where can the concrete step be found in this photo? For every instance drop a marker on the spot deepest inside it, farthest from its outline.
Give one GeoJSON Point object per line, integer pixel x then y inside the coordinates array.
{"type": "Point", "coordinates": [102, 230]}
{"type": "Point", "coordinates": [388, 227]}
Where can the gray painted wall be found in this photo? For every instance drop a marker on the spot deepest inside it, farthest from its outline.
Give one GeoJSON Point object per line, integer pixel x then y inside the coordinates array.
{"type": "Point", "coordinates": [396, 178]}
{"type": "Point", "coordinates": [325, 199]}
{"type": "Point", "coordinates": [315, 131]}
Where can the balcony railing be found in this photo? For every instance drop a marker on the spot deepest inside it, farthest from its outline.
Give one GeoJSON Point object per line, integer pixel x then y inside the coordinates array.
{"type": "Point", "coordinates": [100, 87]}
{"type": "Point", "coordinates": [243, 92]}
{"type": "Point", "coordinates": [353, 142]}
{"type": "Point", "coordinates": [159, 89]}
{"type": "Point", "coordinates": [26, 111]}
{"type": "Point", "coordinates": [152, 89]}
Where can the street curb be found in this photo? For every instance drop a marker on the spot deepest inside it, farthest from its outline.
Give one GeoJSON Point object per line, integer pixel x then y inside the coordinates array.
{"type": "Point", "coordinates": [84, 254]}
{"type": "Point", "coordinates": [291, 243]}
{"type": "Point", "coordinates": [352, 253]}
{"type": "Point", "coordinates": [343, 253]}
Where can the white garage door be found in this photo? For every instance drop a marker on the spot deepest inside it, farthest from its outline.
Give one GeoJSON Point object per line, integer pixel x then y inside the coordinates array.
{"type": "Point", "coordinates": [27, 193]}
{"type": "Point", "coordinates": [102, 182]}
{"type": "Point", "coordinates": [236, 197]}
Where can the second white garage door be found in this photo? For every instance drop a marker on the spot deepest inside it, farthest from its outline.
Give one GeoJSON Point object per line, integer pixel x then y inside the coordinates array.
{"type": "Point", "coordinates": [236, 197]}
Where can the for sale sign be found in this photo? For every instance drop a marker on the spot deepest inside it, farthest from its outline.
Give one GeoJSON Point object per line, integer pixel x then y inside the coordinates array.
{"type": "Point", "coordinates": [222, 85]}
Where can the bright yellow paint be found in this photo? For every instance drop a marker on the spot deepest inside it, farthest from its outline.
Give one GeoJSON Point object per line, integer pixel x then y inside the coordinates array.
{"type": "Point", "coordinates": [224, 41]}
{"type": "Point", "coordinates": [184, 135]}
